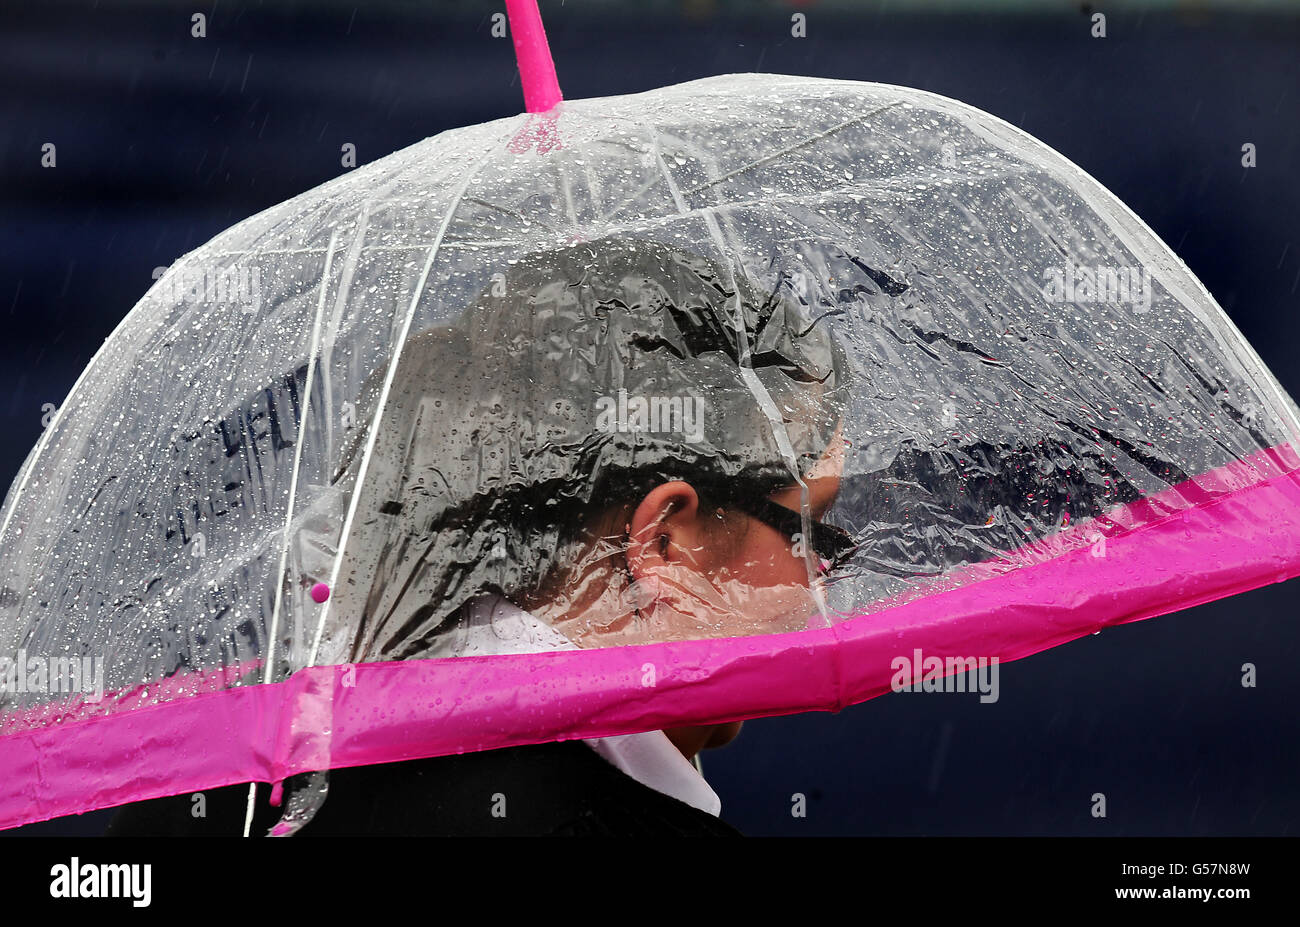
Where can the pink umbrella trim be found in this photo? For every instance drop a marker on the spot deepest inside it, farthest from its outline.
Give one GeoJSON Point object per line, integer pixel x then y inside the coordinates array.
{"type": "Point", "coordinates": [1227, 531]}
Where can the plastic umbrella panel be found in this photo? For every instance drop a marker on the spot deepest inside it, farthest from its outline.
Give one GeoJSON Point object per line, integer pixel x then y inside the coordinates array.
{"type": "Point", "coordinates": [449, 374]}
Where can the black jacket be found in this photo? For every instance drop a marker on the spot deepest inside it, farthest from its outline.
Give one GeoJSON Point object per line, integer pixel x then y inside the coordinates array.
{"type": "Point", "coordinates": [543, 790]}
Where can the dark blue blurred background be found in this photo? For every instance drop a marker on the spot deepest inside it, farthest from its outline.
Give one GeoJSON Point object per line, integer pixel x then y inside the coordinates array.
{"type": "Point", "coordinates": [163, 140]}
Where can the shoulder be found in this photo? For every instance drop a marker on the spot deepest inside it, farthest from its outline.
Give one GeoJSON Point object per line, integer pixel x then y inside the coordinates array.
{"type": "Point", "coordinates": [540, 790]}
{"type": "Point", "coordinates": [556, 788]}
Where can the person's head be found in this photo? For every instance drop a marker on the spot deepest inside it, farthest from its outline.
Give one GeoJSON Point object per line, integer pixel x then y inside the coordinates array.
{"type": "Point", "coordinates": [681, 558]}
{"type": "Point", "coordinates": [613, 437]}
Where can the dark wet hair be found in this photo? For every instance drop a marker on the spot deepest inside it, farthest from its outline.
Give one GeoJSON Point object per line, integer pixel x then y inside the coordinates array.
{"type": "Point", "coordinates": [492, 455]}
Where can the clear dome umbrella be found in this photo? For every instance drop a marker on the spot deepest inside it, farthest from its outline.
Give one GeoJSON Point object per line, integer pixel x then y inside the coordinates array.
{"type": "Point", "coordinates": [947, 400]}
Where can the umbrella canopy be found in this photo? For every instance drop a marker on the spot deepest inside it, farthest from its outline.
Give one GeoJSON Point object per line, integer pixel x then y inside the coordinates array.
{"type": "Point", "coordinates": [264, 514]}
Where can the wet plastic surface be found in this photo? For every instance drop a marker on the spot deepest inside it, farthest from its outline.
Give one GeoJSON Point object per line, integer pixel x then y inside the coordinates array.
{"type": "Point", "coordinates": [881, 309]}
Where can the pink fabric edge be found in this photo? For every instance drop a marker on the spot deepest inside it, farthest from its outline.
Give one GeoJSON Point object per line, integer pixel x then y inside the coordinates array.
{"type": "Point", "coordinates": [329, 717]}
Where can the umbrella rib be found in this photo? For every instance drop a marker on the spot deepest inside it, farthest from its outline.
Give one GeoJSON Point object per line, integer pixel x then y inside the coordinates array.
{"type": "Point", "coordinates": [383, 400]}
{"type": "Point", "coordinates": [313, 364]}
{"type": "Point", "coordinates": [346, 532]}
{"type": "Point", "coordinates": [643, 224]}
{"type": "Point", "coordinates": [789, 148]}
{"type": "Point", "coordinates": [987, 176]}
{"type": "Point", "coordinates": [747, 374]}
{"type": "Point", "coordinates": [509, 212]}
{"type": "Point", "coordinates": [350, 264]}
{"type": "Point", "coordinates": [314, 361]}
{"type": "Point", "coordinates": [645, 187]}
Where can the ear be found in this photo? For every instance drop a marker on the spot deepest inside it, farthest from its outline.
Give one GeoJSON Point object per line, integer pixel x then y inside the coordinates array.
{"type": "Point", "coordinates": [665, 531]}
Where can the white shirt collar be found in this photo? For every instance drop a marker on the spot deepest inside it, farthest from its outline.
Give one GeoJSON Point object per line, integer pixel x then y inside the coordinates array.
{"type": "Point", "coordinates": [494, 625]}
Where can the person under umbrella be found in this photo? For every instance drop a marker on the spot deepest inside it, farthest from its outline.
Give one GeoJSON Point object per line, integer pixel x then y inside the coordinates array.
{"type": "Point", "coordinates": [621, 442]}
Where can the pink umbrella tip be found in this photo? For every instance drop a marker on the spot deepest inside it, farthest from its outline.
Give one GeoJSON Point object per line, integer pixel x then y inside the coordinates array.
{"type": "Point", "coordinates": [536, 69]}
